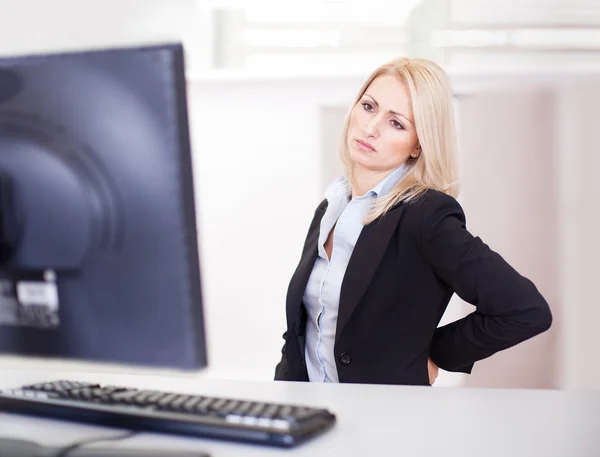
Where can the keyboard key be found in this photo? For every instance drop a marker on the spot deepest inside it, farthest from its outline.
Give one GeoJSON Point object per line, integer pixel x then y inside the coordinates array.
{"type": "Point", "coordinates": [165, 401]}
{"type": "Point", "coordinates": [243, 408]}
{"type": "Point", "coordinates": [191, 403]}
{"type": "Point", "coordinates": [256, 410]}
{"type": "Point", "coordinates": [204, 404]}
{"type": "Point", "coordinates": [270, 411]}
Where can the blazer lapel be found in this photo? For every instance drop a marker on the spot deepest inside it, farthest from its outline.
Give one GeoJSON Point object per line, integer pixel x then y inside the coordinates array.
{"type": "Point", "coordinates": [366, 256]}
{"type": "Point", "coordinates": [300, 277]}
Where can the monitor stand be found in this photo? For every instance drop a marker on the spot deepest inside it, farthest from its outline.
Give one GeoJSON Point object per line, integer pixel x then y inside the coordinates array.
{"type": "Point", "coordinates": [10, 447]}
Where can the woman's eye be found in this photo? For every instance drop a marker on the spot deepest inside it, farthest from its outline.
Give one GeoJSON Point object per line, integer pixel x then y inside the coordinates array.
{"type": "Point", "coordinates": [367, 106]}
{"type": "Point", "coordinates": [397, 125]}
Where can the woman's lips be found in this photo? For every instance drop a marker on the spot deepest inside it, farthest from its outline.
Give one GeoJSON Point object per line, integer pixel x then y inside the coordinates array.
{"type": "Point", "coordinates": [365, 146]}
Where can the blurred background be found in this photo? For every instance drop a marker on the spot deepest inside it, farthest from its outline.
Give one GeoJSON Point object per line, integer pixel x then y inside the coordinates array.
{"type": "Point", "coordinates": [269, 83]}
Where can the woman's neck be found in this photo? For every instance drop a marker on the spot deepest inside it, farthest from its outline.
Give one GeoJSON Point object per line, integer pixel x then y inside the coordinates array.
{"type": "Point", "coordinates": [364, 180]}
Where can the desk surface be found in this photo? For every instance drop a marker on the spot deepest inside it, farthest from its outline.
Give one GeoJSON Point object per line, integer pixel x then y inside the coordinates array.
{"type": "Point", "coordinates": [372, 420]}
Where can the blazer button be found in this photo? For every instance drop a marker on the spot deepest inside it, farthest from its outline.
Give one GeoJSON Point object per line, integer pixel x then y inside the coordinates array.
{"type": "Point", "coordinates": [345, 358]}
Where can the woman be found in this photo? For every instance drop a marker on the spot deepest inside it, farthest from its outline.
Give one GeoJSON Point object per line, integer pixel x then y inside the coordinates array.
{"type": "Point", "coordinates": [388, 247]}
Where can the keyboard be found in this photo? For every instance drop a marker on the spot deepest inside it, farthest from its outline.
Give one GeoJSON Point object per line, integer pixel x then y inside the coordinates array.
{"type": "Point", "coordinates": [169, 412]}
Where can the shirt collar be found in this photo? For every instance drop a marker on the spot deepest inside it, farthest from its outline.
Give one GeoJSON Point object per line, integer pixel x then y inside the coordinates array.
{"type": "Point", "coordinates": [386, 184]}
{"type": "Point", "coordinates": [340, 188]}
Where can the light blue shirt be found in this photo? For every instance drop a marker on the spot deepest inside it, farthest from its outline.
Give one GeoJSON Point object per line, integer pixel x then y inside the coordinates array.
{"type": "Point", "coordinates": [322, 294]}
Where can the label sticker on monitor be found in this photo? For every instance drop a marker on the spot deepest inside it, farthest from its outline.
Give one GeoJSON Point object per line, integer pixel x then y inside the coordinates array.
{"type": "Point", "coordinates": [29, 299]}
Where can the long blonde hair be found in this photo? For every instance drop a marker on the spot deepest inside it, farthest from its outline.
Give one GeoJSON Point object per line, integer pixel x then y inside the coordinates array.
{"type": "Point", "coordinates": [436, 166]}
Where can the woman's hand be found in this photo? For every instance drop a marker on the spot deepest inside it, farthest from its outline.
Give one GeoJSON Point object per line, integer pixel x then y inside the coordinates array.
{"type": "Point", "coordinates": [433, 370]}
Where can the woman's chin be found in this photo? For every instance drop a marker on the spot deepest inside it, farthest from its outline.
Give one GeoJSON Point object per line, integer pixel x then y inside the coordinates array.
{"type": "Point", "coordinates": [368, 165]}
{"type": "Point", "coordinates": [362, 158]}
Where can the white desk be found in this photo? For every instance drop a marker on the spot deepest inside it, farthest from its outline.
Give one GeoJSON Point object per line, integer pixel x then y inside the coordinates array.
{"type": "Point", "coordinates": [372, 420]}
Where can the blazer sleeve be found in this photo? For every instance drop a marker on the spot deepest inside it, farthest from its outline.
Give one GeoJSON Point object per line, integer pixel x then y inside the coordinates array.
{"type": "Point", "coordinates": [281, 370]}
{"type": "Point", "coordinates": [509, 308]}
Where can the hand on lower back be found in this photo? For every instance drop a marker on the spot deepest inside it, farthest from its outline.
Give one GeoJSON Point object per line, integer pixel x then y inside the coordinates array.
{"type": "Point", "coordinates": [433, 370]}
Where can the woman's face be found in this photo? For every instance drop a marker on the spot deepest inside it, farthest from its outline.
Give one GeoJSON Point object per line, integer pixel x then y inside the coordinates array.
{"type": "Point", "coordinates": [381, 132]}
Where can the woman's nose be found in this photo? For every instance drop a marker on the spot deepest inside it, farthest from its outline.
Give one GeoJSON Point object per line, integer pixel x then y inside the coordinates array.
{"type": "Point", "coordinates": [371, 128]}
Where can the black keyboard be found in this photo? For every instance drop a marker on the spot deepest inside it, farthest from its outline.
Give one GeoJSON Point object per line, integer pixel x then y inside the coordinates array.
{"type": "Point", "coordinates": [159, 411]}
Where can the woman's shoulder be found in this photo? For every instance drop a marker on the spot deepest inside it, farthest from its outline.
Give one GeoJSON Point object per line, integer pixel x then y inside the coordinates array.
{"type": "Point", "coordinates": [432, 205]}
{"type": "Point", "coordinates": [430, 199]}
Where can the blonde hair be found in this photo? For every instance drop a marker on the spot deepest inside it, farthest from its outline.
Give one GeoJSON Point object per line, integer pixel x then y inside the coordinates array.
{"type": "Point", "coordinates": [436, 167]}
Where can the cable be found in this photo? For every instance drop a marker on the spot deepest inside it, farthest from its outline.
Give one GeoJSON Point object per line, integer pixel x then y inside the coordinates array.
{"type": "Point", "coordinates": [65, 451]}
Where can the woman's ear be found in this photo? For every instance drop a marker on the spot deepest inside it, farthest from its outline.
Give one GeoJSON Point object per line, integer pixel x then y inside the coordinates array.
{"type": "Point", "coordinates": [417, 152]}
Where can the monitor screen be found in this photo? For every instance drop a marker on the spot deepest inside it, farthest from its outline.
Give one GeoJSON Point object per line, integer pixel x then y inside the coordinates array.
{"type": "Point", "coordinates": [98, 242]}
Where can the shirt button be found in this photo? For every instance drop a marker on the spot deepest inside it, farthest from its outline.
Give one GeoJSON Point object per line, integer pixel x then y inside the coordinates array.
{"type": "Point", "coordinates": [345, 358]}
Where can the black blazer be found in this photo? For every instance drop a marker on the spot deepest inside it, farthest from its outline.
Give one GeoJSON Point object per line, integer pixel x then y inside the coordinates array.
{"type": "Point", "coordinates": [402, 273]}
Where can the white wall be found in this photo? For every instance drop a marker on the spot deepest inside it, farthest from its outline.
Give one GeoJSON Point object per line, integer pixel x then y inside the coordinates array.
{"type": "Point", "coordinates": [580, 200]}
{"type": "Point", "coordinates": [38, 26]}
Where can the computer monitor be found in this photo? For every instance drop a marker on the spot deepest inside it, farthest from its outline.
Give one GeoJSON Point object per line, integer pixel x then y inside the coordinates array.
{"type": "Point", "coordinates": [98, 243]}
